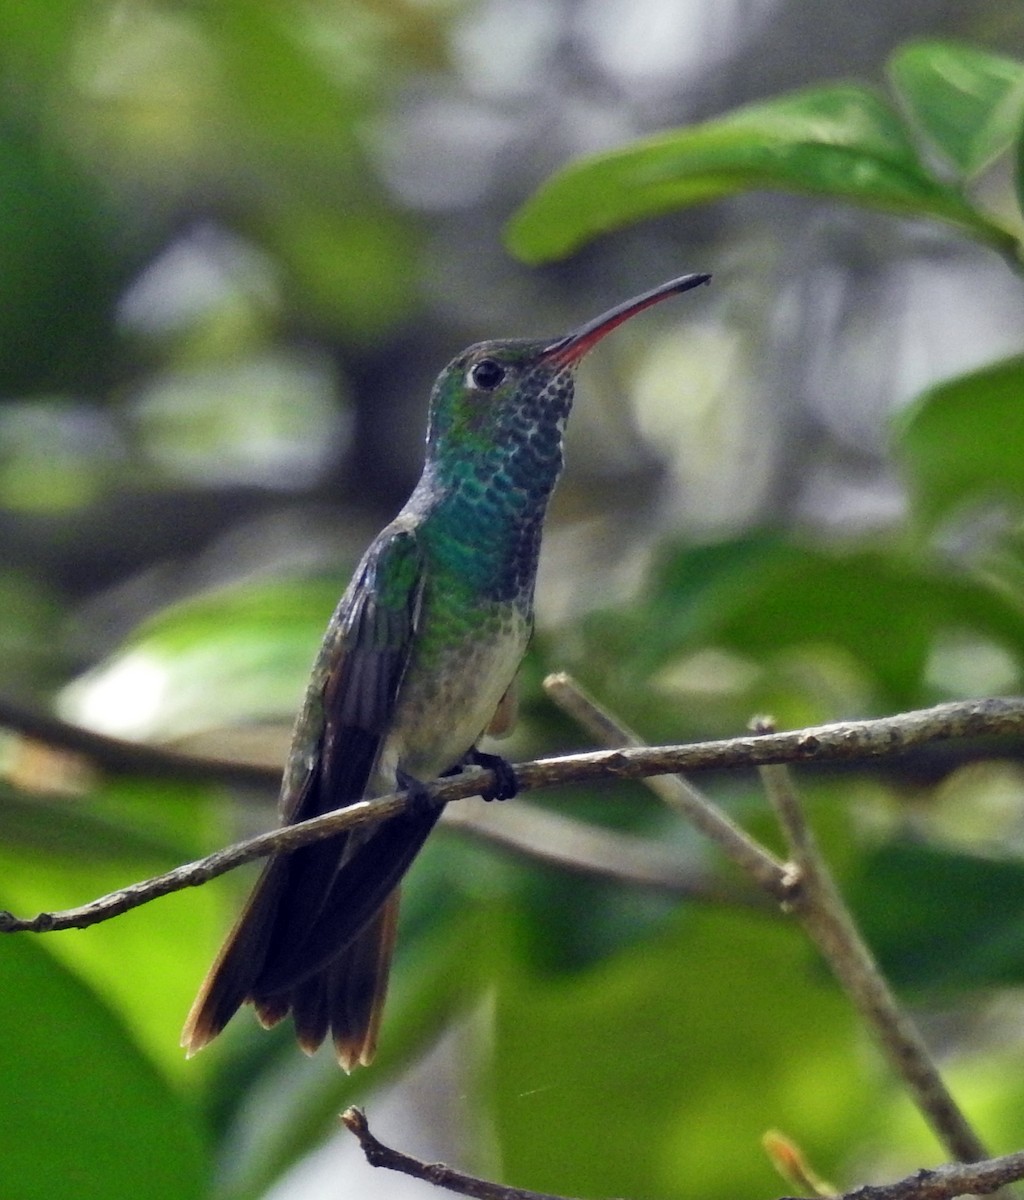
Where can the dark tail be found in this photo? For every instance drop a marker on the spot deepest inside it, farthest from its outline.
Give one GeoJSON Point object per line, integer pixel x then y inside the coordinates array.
{"type": "Point", "coordinates": [315, 939]}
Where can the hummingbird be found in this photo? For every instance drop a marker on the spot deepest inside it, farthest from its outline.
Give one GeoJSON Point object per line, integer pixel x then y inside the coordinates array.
{"type": "Point", "coordinates": [418, 662]}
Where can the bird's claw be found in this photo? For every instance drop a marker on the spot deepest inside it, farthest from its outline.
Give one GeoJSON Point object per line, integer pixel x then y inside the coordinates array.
{"type": "Point", "coordinates": [505, 785]}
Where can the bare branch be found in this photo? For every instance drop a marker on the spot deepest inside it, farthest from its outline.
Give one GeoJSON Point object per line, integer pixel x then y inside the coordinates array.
{"type": "Point", "coordinates": [816, 902]}
{"type": "Point", "coordinates": [582, 848]}
{"type": "Point", "coordinates": [807, 890]}
{"type": "Point", "coordinates": [119, 757]}
{"type": "Point", "coordinates": [845, 742]}
{"type": "Point", "coordinates": [202, 870]}
{"type": "Point", "coordinates": [944, 1183]}
{"type": "Point", "coordinates": [379, 1155]}
{"type": "Point", "coordinates": [937, 1183]}
{"type": "Point", "coordinates": [674, 790]}
{"type": "Point", "coordinates": [840, 742]}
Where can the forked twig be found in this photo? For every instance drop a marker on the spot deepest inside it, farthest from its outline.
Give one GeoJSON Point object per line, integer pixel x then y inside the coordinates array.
{"type": "Point", "coordinates": [846, 741]}
{"type": "Point", "coordinates": [936, 1183]}
{"type": "Point", "coordinates": [806, 889]}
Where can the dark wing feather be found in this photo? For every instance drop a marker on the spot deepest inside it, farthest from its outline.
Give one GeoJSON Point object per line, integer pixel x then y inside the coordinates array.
{"type": "Point", "coordinates": [302, 913]}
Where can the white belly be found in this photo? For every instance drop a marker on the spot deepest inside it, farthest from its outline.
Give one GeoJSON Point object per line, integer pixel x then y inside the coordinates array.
{"type": "Point", "coordinates": [443, 710]}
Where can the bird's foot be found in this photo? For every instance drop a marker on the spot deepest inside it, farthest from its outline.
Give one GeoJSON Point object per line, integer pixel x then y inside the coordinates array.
{"type": "Point", "coordinates": [422, 802]}
{"type": "Point", "coordinates": [505, 785]}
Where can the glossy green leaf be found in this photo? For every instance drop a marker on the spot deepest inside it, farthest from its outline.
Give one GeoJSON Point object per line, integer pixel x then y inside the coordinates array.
{"type": "Point", "coordinates": [241, 654]}
{"type": "Point", "coordinates": [840, 141]}
{"type": "Point", "coordinates": [809, 631]}
{"type": "Point", "coordinates": [938, 918]}
{"type": "Point", "coordinates": [85, 1113]}
{"type": "Point", "coordinates": [960, 443]}
{"type": "Point", "coordinates": [968, 102]}
{"type": "Point", "coordinates": [656, 1073]}
{"type": "Point", "coordinates": [147, 963]}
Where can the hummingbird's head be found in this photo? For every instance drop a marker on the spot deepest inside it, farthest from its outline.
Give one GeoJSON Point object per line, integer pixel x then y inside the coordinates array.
{"type": "Point", "coordinates": [499, 394]}
{"type": "Point", "coordinates": [509, 400]}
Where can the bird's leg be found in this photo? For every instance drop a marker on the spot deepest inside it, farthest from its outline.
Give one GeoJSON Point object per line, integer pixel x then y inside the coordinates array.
{"type": "Point", "coordinates": [505, 787]}
{"type": "Point", "coordinates": [505, 784]}
{"type": "Point", "coordinates": [421, 801]}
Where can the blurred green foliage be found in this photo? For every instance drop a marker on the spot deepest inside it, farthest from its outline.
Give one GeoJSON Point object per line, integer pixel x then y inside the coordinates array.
{"type": "Point", "coordinates": [846, 141]}
{"type": "Point", "coordinates": [615, 1043]}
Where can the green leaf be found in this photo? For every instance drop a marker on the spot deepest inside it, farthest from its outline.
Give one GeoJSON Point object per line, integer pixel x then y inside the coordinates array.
{"type": "Point", "coordinates": [235, 656]}
{"type": "Point", "coordinates": [811, 630]}
{"type": "Point", "coordinates": [656, 1073]}
{"type": "Point", "coordinates": [960, 443]}
{"type": "Point", "coordinates": [938, 918]}
{"type": "Point", "coordinates": [85, 1113]}
{"type": "Point", "coordinates": [968, 102]}
{"type": "Point", "coordinates": [147, 963]}
{"type": "Point", "coordinates": [842, 141]}
{"type": "Point", "coordinates": [777, 597]}
{"type": "Point", "coordinates": [79, 832]}
{"type": "Point", "coordinates": [809, 597]}
{"type": "Point", "coordinates": [569, 923]}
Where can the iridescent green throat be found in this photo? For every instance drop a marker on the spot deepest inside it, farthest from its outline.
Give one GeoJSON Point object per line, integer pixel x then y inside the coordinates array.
{"type": "Point", "coordinates": [487, 493]}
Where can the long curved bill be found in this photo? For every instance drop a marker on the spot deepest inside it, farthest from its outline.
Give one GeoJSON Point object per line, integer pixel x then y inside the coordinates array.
{"type": "Point", "coordinates": [572, 347]}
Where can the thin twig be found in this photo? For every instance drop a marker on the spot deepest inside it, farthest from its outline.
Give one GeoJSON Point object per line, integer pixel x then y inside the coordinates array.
{"type": "Point", "coordinates": [845, 741]}
{"type": "Point", "coordinates": [572, 845]}
{"type": "Point", "coordinates": [379, 1155]}
{"type": "Point", "coordinates": [943, 1183]}
{"type": "Point", "coordinates": [202, 870]}
{"type": "Point", "coordinates": [807, 890]}
{"type": "Point", "coordinates": [582, 848]}
{"type": "Point", "coordinates": [816, 902]}
{"type": "Point", "coordinates": [936, 1183]}
{"type": "Point", "coordinates": [767, 871]}
{"type": "Point", "coordinates": [886, 738]}
{"type": "Point", "coordinates": [120, 757]}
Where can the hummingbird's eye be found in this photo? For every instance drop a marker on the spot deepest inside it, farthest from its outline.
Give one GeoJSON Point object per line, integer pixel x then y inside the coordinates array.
{"type": "Point", "coordinates": [486, 374]}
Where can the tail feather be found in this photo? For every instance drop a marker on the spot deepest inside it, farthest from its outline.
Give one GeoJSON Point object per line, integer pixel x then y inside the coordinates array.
{"type": "Point", "coordinates": [340, 993]}
{"type": "Point", "coordinates": [358, 987]}
{"type": "Point", "coordinates": [272, 1010]}
{"type": "Point", "coordinates": [229, 981]}
{"type": "Point", "coordinates": [315, 939]}
{"type": "Point", "coordinates": [336, 914]}
{"type": "Point", "coordinates": [310, 1013]}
